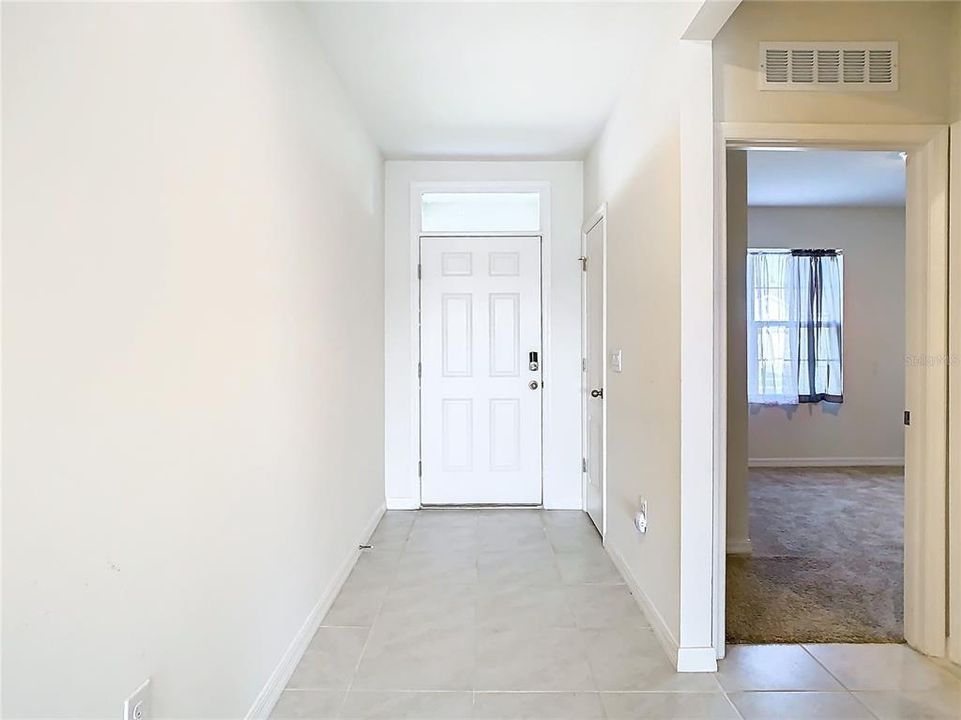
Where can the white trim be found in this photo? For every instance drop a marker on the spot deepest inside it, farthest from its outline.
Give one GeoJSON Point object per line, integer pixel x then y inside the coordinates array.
{"type": "Point", "coordinates": [270, 693]}
{"type": "Point", "coordinates": [699, 505]}
{"type": "Point", "coordinates": [600, 215]}
{"type": "Point", "coordinates": [417, 189]}
{"type": "Point", "coordinates": [925, 531]}
{"type": "Point", "coordinates": [819, 462]}
{"type": "Point", "coordinates": [403, 503]}
{"type": "Point", "coordinates": [739, 546]}
{"type": "Point", "coordinates": [954, 400]}
{"type": "Point", "coordinates": [661, 630]}
{"type": "Point", "coordinates": [696, 659]}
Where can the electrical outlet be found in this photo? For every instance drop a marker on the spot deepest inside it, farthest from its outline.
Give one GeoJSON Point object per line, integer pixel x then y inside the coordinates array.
{"type": "Point", "coordinates": [137, 706]}
{"type": "Point", "coordinates": [640, 518]}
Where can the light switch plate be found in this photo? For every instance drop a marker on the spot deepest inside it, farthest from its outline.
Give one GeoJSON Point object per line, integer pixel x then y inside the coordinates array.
{"type": "Point", "coordinates": [615, 360]}
{"type": "Point", "coordinates": [137, 706]}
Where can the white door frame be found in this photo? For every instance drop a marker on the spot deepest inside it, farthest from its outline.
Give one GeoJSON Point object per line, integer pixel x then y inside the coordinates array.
{"type": "Point", "coordinates": [925, 522]}
{"type": "Point", "coordinates": [600, 215]}
{"type": "Point", "coordinates": [417, 189]}
{"type": "Point", "coordinates": [954, 399]}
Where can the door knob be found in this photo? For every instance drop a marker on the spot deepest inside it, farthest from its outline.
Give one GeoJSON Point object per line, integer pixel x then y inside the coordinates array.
{"type": "Point", "coordinates": [532, 384]}
{"type": "Point", "coordinates": [597, 393]}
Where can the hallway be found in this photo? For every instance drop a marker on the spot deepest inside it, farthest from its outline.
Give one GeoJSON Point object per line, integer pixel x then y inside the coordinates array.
{"type": "Point", "coordinates": [520, 614]}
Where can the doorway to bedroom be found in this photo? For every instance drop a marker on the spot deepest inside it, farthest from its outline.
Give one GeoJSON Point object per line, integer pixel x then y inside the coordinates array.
{"type": "Point", "coordinates": [816, 388]}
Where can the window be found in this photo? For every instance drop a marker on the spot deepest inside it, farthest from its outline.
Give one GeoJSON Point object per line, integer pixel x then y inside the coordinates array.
{"type": "Point", "coordinates": [794, 319]}
{"type": "Point", "coordinates": [480, 212]}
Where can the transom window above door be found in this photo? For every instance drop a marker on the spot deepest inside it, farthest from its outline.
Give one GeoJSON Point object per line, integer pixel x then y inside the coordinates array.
{"type": "Point", "coordinates": [460, 212]}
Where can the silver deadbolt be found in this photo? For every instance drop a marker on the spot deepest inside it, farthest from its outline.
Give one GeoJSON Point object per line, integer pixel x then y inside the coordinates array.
{"type": "Point", "coordinates": [533, 361]}
{"type": "Point", "coordinates": [532, 384]}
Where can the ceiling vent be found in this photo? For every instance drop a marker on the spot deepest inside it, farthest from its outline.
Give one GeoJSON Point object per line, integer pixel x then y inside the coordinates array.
{"type": "Point", "coordinates": [837, 66]}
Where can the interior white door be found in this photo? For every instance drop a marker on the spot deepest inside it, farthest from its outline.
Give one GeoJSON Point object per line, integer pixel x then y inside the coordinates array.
{"type": "Point", "coordinates": [480, 376]}
{"type": "Point", "coordinates": [594, 371]}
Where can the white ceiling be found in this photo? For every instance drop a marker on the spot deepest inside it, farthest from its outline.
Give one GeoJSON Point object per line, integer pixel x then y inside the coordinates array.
{"type": "Point", "coordinates": [824, 177]}
{"type": "Point", "coordinates": [521, 80]}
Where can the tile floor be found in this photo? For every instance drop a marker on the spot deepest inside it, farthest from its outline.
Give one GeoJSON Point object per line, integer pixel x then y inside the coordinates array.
{"type": "Point", "coordinates": [501, 614]}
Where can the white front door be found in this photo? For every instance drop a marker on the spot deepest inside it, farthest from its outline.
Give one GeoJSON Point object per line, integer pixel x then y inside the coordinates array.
{"type": "Point", "coordinates": [594, 371]}
{"type": "Point", "coordinates": [480, 338]}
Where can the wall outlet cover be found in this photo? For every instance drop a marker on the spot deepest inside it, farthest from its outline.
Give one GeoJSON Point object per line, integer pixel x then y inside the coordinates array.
{"type": "Point", "coordinates": [137, 706]}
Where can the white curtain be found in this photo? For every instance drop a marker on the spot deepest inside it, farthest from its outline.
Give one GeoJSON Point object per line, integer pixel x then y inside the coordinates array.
{"type": "Point", "coordinates": [773, 316]}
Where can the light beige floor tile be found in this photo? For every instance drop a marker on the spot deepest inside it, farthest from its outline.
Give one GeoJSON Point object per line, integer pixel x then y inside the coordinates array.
{"type": "Point", "coordinates": [356, 605]}
{"type": "Point", "coordinates": [516, 539]}
{"type": "Point", "coordinates": [605, 606]}
{"type": "Point", "coordinates": [942, 704]}
{"type": "Point", "coordinates": [446, 518]}
{"type": "Point", "coordinates": [632, 659]}
{"type": "Point", "coordinates": [882, 667]}
{"type": "Point", "coordinates": [398, 518]}
{"type": "Point", "coordinates": [772, 667]}
{"type": "Point", "coordinates": [508, 567]}
{"type": "Point", "coordinates": [800, 706]}
{"type": "Point", "coordinates": [375, 567]}
{"type": "Point", "coordinates": [330, 659]}
{"type": "Point", "coordinates": [537, 706]}
{"type": "Point", "coordinates": [509, 519]}
{"type": "Point", "coordinates": [417, 658]}
{"type": "Point", "coordinates": [389, 705]}
{"type": "Point", "coordinates": [668, 706]}
{"type": "Point", "coordinates": [429, 605]}
{"type": "Point", "coordinates": [308, 705]}
{"type": "Point", "coordinates": [592, 566]}
{"type": "Point", "coordinates": [523, 606]}
{"type": "Point", "coordinates": [392, 536]}
{"type": "Point", "coordinates": [428, 568]}
{"type": "Point", "coordinates": [532, 659]}
{"type": "Point", "coordinates": [455, 539]}
{"type": "Point", "coordinates": [565, 518]}
{"type": "Point", "coordinates": [574, 538]}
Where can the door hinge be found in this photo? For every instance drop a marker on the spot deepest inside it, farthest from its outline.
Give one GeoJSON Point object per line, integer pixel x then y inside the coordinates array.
{"type": "Point", "coordinates": [583, 464]}
{"type": "Point", "coordinates": [583, 260]}
{"type": "Point", "coordinates": [583, 364]}
{"type": "Point", "coordinates": [419, 270]}
{"type": "Point", "coordinates": [907, 417]}
{"type": "Point", "coordinates": [420, 468]}
{"type": "Point", "coordinates": [420, 370]}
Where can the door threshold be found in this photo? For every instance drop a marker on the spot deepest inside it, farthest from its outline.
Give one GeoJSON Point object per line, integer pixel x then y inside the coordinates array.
{"type": "Point", "coordinates": [476, 506]}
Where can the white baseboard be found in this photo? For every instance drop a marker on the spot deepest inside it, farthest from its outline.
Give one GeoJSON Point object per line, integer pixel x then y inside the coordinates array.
{"type": "Point", "coordinates": [826, 462]}
{"type": "Point", "coordinates": [661, 631]}
{"type": "Point", "coordinates": [739, 546]}
{"type": "Point", "coordinates": [696, 659]}
{"type": "Point", "coordinates": [403, 504]}
{"type": "Point", "coordinates": [277, 681]}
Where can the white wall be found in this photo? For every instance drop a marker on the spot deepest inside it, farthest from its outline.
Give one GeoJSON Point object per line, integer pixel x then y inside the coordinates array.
{"type": "Point", "coordinates": [868, 427]}
{"type": "Point", "coordinates": [562, 387]}
{"type": "Point", "coordinates": [738, 517]}
{"type": "Point", "coordinates": [193, 361]}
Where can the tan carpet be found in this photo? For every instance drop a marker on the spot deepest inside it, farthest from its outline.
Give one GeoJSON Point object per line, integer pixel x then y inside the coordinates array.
{"type": "Point", "coordinates": [828, 559]}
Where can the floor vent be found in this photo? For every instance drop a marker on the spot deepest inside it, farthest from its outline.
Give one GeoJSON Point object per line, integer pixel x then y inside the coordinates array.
{"type": "Point", "coordinates": [841, 67]}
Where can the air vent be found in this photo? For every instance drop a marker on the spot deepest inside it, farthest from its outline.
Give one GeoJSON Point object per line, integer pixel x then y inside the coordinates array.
{"type": "Point", "coordinates": [841, 67]}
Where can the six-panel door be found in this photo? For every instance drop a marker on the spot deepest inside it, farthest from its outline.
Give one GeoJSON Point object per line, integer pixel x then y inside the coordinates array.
{"type": "Point", "coordinates": [480, 399]}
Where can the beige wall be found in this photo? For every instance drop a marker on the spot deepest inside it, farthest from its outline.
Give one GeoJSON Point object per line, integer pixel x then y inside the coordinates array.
{"type": "Point", "coordinates": [635, 168]}
{"type": "Point", "coordinates": [956, 65]}
{"type": "Point", "coordinates": [193, 350]}
{"type": "Point", "coordinates": [868, 425]}
{"type": "Point", "coordinates": [926, 33]}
